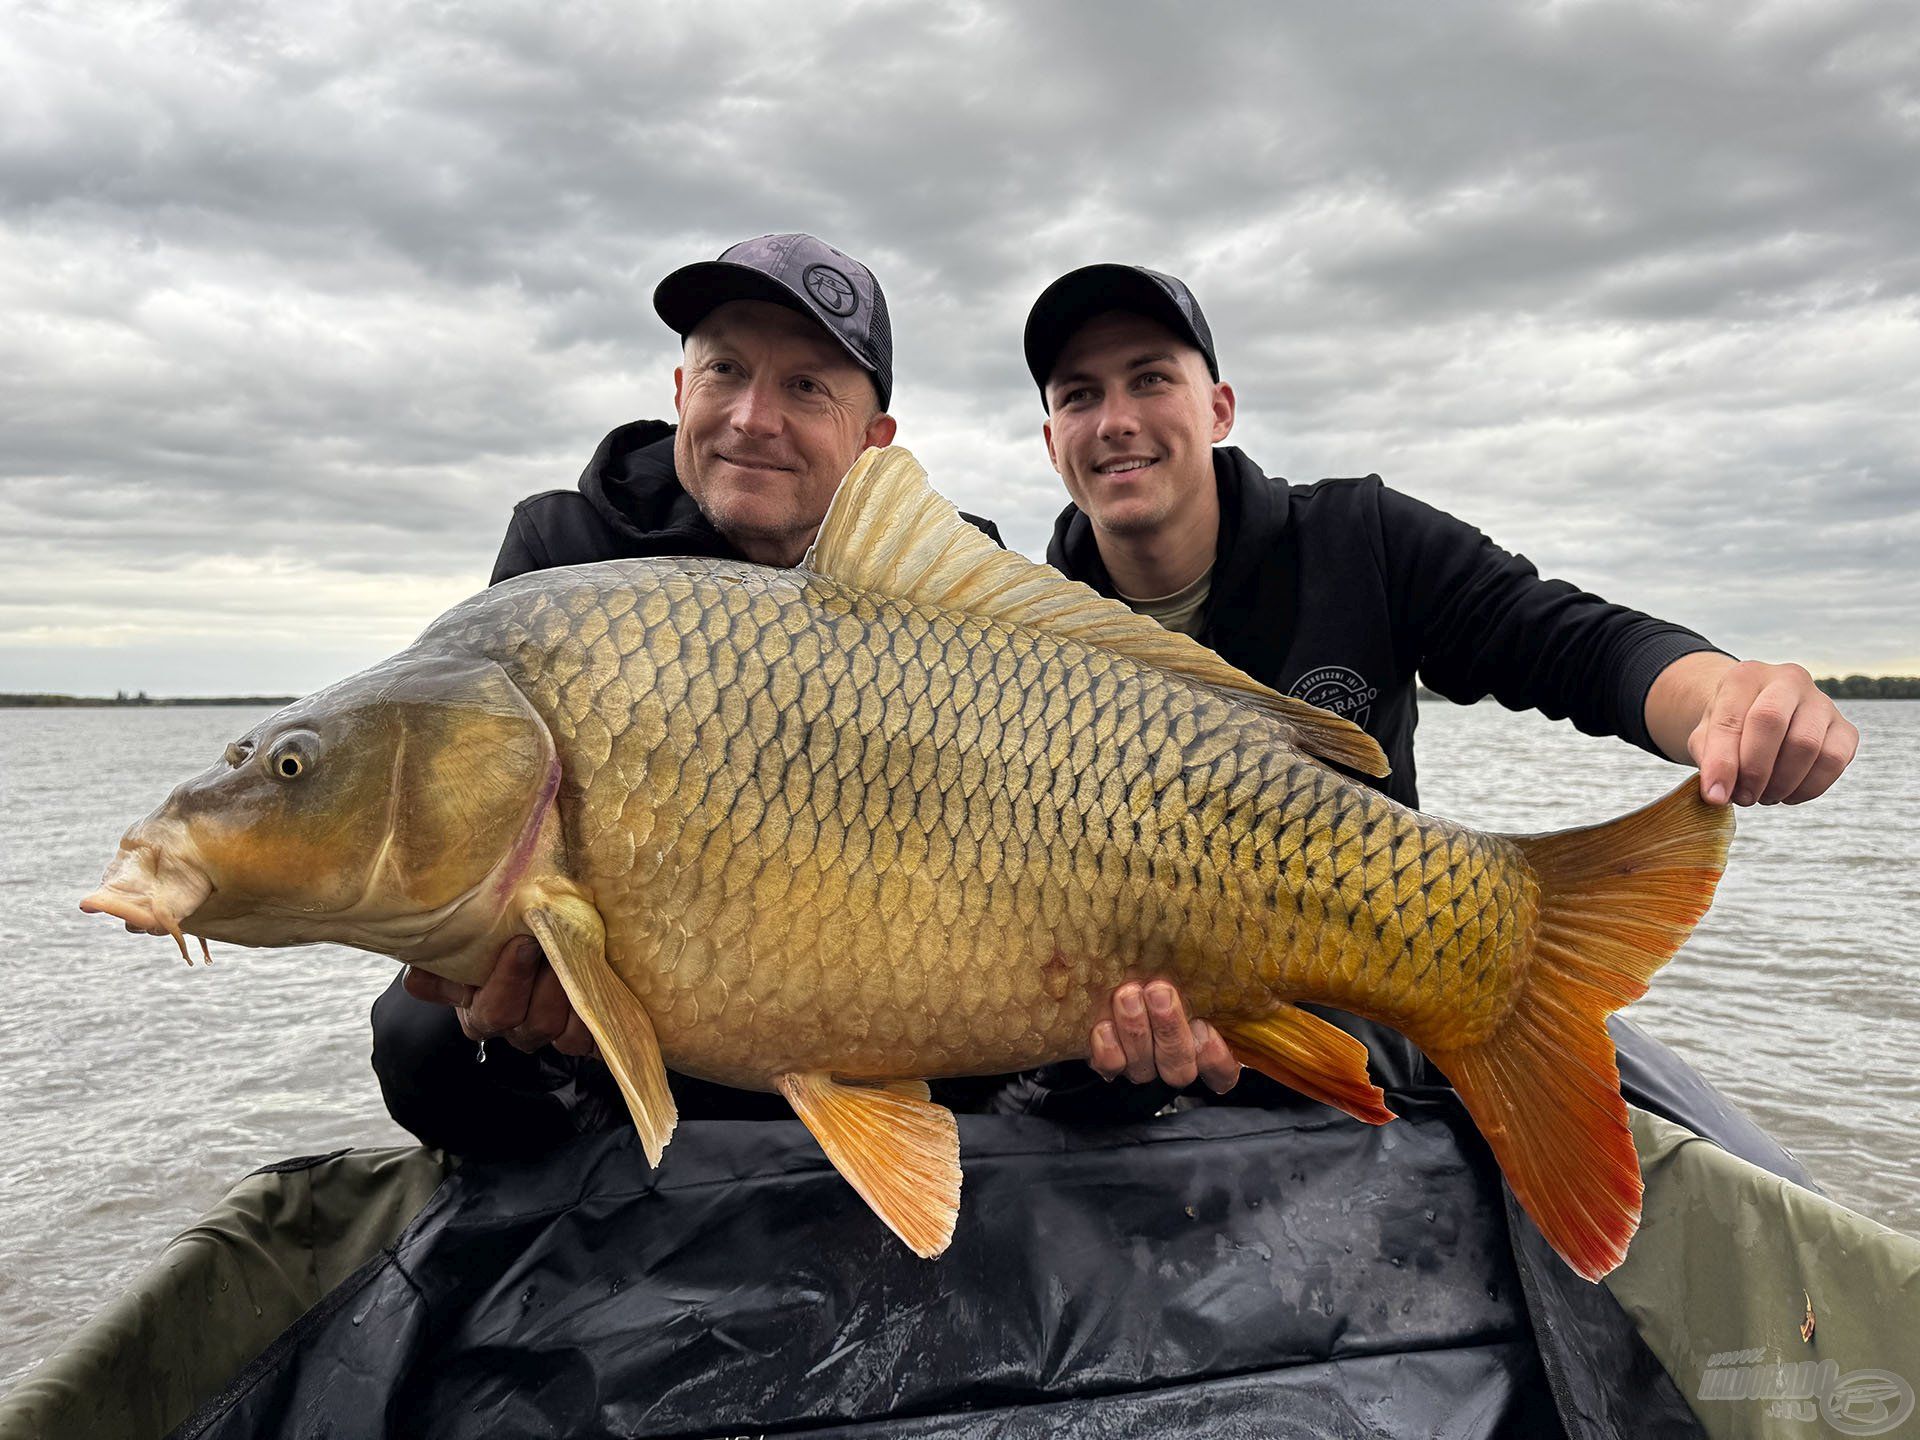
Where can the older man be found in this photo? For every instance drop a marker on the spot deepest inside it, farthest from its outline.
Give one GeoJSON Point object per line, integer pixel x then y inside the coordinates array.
{"type": "Point", "coordinates": [786, 376]}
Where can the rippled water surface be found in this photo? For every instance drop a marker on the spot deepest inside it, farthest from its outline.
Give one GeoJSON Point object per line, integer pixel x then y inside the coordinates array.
{"type": "Point", "coordinates": [134, 1091]}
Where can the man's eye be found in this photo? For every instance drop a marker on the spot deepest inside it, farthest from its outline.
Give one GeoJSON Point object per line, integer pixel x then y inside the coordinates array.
{"type": "Point", "coordinates": [1074, 397]}
{"type": "Point", "coordinates": [807, 386]}
{"type": "Point", "coordinates": [1152, 377]}
{"type": "Point", "coordinates": [720, 367]}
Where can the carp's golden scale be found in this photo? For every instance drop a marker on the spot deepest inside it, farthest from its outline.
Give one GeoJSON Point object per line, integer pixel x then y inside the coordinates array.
{"type": "Point", "coordinates": [913, 810]}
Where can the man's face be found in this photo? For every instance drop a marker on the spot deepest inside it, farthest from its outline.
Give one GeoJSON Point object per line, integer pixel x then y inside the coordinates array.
{"type": "Point", "coordinates": [1132, 419]}
{"type": "Point", "coordinates": [772, 414]}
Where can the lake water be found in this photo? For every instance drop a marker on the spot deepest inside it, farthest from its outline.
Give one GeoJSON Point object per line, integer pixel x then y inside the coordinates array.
{"type": "Point", "coordinates": [134, 1090]}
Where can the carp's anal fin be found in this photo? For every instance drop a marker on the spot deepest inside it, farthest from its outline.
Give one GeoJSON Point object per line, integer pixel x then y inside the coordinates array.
{"type": "Point", "coordinates": [893, 1145]}
{"type": "Point", "coordinates": [1304, 1052]}
{"type": "Point", "coordinates": [570, 932]}
{"type": "Point", "coordinates": [1616, 901]}
{"type": "Point", "coordinates": [891, 532]}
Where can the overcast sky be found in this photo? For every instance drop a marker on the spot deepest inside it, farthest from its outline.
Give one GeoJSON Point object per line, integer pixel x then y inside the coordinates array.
{"type": "Point", "coordinates": [297, 300]}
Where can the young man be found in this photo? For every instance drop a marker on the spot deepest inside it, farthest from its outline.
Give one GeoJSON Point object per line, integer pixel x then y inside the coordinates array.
{"type": "Point", "coordinates": [1341, 593]}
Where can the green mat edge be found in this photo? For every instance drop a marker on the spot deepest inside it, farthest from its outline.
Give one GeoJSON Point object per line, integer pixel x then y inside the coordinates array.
{"type": "Point", "coordinates": [1725, 1264]}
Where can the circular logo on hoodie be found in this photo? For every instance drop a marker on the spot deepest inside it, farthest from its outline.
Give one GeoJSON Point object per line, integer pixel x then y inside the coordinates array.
{"type": "Point", "coordinates": [832, 290]}
{"type": "Point", "coordinates": [1336, 688]}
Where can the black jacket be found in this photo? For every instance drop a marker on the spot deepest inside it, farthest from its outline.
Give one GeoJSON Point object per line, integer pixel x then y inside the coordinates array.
{"type": "Point", "coordinates": [1345, 592]}
{"type": "Point", "coordinates": [629, 504]}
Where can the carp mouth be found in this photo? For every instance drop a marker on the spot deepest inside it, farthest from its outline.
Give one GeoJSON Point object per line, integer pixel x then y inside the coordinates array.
{"type": "Point", "coordinates": [153, 889]}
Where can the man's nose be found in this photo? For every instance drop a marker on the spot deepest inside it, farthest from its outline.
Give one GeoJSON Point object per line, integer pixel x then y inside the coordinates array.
{"type": "Point", "coordinates": [756, 409]}
{"type": "Point", "coordinates": [1118, 418]}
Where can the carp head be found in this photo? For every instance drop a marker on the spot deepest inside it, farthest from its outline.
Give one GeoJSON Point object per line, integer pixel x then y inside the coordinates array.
{"type": "Point", "coordinates": [395, 811]}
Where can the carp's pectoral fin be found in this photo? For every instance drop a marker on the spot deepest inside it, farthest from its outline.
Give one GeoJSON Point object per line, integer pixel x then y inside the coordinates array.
{"type": "Point", "coordinates": [569, 931]}
{"type": "Point", "coordinates": [894, 1145]}
{"type": "Point", "coordinates": [1309, 1055]}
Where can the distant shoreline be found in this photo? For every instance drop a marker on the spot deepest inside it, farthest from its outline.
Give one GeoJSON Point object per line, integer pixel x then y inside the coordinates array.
{"type": "Point", "coordinates": [1873, 687]}
{"type": "Point", "coordinates": [134, 702]}
{"type": "Point", "coordinates": [1853, 687]}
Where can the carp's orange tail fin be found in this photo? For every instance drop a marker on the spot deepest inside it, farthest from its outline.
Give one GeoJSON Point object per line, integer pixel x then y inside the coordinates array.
{"type": "Point", "coordinates": [1616, 901]}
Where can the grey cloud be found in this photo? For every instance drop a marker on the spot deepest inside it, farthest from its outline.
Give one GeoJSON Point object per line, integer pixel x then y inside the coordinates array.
{"type": "Point", "coordinates": [1628, 285]}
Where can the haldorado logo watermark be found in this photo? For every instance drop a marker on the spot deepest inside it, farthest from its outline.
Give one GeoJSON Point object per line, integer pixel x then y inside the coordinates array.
{"type": "Point", "coordinates": [1860, 1402]}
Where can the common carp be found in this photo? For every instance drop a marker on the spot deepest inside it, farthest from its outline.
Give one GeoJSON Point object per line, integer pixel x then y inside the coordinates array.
{"type": "Point", "coordinates": [913, 810]}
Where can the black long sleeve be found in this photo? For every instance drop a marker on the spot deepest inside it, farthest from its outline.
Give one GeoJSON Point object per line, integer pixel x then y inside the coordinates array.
{"type": "Point", "coordinates": [1477, 620]}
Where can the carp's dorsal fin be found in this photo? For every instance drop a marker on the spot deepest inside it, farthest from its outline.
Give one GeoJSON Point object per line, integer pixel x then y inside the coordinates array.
{"type": "Point", "coordinates": [891, 532]}
{"type": "Point", "coordinates": [570, 931]}
{"type": "Point", "coordinates": [894, 1145]}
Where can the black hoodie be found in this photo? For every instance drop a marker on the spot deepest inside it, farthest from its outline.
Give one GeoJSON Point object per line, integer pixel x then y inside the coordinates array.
{"type": "Point", "coordinates": [1341, 593]}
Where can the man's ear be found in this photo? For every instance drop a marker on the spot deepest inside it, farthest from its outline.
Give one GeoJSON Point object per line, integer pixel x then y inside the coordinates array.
{"type": "Point", "coordinates": [679, 388]}
{"type": "Point", "coordinates": [880, 430]}
{"type": "Point", "coordinates": [1053, 456]}
{"type": "Point", "coordinates": [1222, 411]}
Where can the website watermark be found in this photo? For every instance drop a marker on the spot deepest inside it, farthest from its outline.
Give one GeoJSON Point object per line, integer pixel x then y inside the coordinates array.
{"type": "Point", "coordinates": [1858, 1402]}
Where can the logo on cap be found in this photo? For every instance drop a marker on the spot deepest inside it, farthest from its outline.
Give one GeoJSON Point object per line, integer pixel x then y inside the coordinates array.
{"type": "Point", "coordinates": [832, 289]}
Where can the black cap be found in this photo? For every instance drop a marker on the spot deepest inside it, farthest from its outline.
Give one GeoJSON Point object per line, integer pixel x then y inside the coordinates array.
{"type": "Point", "coordinates": [801, 273]}
{"type": "Point", "coordinates": [1079, 295]}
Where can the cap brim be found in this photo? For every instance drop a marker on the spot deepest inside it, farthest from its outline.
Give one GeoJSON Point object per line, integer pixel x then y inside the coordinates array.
{"type": "Point", "coordinates": [1079, 295]}
{"type": "Point", "coordinates": [693, 292]}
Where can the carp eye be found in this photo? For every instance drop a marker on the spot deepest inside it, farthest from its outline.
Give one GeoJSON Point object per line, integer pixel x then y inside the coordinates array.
{"type": "Point", "coordinates": [289, 760]}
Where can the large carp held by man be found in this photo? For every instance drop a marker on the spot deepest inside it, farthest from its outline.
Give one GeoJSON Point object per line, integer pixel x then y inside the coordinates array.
{"type": "Point", "coordinates": [913, 810]}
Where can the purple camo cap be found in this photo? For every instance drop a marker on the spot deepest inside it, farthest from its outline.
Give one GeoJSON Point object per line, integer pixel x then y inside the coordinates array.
{"type": "Point", "coordinates": [801, 273]}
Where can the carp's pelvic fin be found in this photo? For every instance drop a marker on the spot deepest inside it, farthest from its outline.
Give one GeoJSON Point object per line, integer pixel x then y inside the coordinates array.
{"type": "Point", "coordinates": [575, 941]}
{"type": "Point", "coordinates": [894, 1145]}
{"type": "Point", "coordinates": [1616, 901]}
{"type": "Point", "coordinates": [1304, 1052]}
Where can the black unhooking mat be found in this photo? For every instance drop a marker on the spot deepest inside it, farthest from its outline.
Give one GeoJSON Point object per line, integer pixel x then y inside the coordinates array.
{"type": "Point", "coordinates": [1173, 1278]}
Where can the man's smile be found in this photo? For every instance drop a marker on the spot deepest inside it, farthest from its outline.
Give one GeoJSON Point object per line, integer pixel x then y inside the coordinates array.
{"type": "Point", "coordinates": [1124, 465]}
{"type": "Point", "coordinates": [754, 462]}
